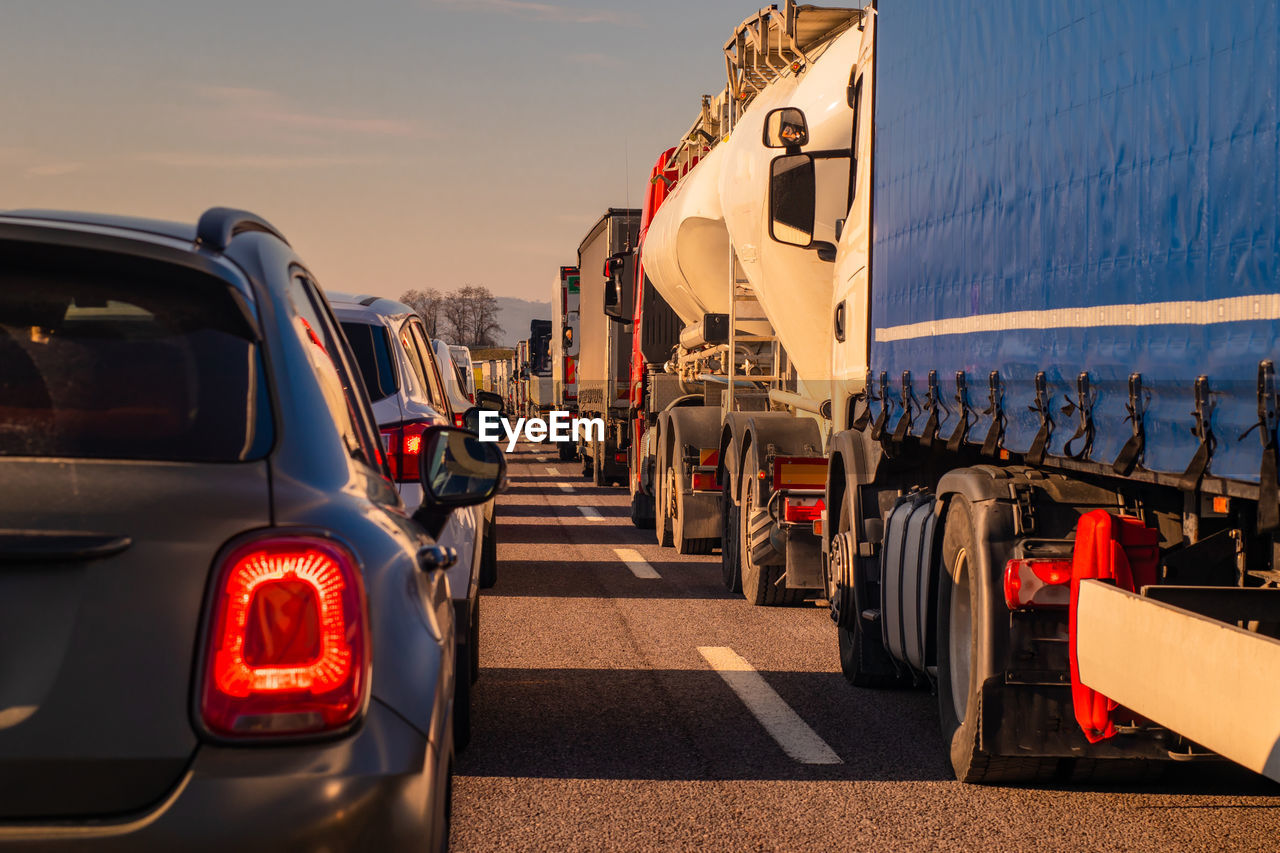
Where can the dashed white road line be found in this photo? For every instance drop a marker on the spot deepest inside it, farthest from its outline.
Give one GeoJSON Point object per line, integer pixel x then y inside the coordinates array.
{"type": "Point", "coordinates": [638, 565]}
{"type": "Point", "coordinates": [591, 513]}
{"type": "Point", "coordinates": [554, 472]}
{"type": "Point", "coordinates": [564, 487]}
{"type": "Point", "coordinates": [779, 720]}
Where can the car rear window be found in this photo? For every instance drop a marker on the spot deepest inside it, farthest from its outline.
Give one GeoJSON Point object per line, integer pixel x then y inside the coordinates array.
{"type": "Point", "coordinates": [372, 349]}
{"type": "Point", "coordinates": [108, 357]}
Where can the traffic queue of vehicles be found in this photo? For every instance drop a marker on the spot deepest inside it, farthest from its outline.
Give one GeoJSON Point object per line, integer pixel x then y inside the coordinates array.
{"type": "Point", "coordinates": [975, 309]}
{"type": "Point", "coordinates": [231, 600]}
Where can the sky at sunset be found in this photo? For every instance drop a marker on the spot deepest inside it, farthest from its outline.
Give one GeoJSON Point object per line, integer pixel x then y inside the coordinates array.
{"type": "Point", "coordinates": [397, 143]}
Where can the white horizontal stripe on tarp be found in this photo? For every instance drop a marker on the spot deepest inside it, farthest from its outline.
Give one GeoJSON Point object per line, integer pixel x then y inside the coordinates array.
{"type": "Point", "coordinates": [1234, 309]}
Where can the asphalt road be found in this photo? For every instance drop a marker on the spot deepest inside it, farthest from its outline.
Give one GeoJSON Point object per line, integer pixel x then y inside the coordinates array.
{"type": "Point", "coordinates": [599, 723]}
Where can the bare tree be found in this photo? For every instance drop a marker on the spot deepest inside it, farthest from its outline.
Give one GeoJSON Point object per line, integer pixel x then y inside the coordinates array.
{"type": "Point", "coordinates": [428, 304]}
{"type": "Point", "coordinates": [482, 316]}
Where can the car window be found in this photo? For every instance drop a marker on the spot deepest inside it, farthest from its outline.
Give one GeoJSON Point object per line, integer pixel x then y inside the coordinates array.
{"type": "Point", "coordinates": [108, 357]}
{"type": "Point", "coordinates": [411, 352]}
{"type": "Point", "coordinates": [340, 387]}
{"type": "Point", "coordinates": [435, 384]}
{"type": "Point", "coordinates": [371, 345]}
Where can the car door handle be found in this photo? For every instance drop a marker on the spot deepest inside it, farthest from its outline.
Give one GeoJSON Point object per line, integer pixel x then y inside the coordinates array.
{"type": "Point", "coordinates": [434, 557]}
{"type": "Point", "coordinates": [42, 546]}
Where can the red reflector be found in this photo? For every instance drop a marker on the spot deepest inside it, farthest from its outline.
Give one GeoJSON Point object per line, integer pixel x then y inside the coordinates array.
{"type": "Point", "coordinates": [705, 483]}
{"type": "Point", "coordinates": [288, 649]}
{"type": "Point", "coordinates": [803, 509]}
{"type": "Point", "coordinates": [1037, 583]}
{"type": "Point", "coordinates": [620, 457]}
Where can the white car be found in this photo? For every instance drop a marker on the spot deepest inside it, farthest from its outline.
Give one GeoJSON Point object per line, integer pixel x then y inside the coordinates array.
{"type": "Point", "coordinates": [466, 370]}
{"type": "Point", "coordinates": [452, 379]}
{"type": "Point", "coordinates": [408, 391]}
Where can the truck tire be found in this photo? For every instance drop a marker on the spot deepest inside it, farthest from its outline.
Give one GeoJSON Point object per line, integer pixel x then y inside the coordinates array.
{"type": "Point", "coordinates": [566, 450]}
{"type": "Point", "coordinates": [961, 646]}
{"type": "Point", "coordinates": [683, 544]}
{"type": "Point", "coordinates": [762, 585]}
{"type": "Point", "coordinates": [730, 559]}
{"type": "Point", "coordinates": [863, 658]}
{"type": "Point", "coordinates": [586, 462]}
{"type": "Point", "coordinates": [661, 517]}
{"type": "Point", "coordinates": [642, 511]}
{"type": "Point", "coordinates": [597, 467]}
{"type": "Point", "coordinates": [489, 556]}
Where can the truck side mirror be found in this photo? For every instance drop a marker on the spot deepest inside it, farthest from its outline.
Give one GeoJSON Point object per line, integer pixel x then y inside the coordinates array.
{"type": "Point", "coordinates": [616, 292]}
{"type": "Point", "coordinates": [786, 128]}
{"type": "Point", "coordinates": [793, 195]}
{"type": "Point", "coordinates": [568, 337]}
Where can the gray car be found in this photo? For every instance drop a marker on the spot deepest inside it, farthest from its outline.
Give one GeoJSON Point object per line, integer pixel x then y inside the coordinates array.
{"type": "Point", "coordinates": [219, 626]}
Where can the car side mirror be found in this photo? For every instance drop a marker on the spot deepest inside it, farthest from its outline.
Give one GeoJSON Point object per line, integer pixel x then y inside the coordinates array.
{"type": "Point", "coordinates": [786, 128]}
{"type": "Point", "coordinates": [457, 469]}
{"type": "Point", "coordinates": [489, 401]}
{"type": "Point", "coordinates": [793, 195]}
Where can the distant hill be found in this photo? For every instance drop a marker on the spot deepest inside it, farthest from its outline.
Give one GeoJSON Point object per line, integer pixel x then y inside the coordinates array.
{"type": "Point", "coordinates": [514, 316]}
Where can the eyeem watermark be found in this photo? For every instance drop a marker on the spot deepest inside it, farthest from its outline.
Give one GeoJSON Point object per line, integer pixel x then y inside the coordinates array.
{"type": "Point", "coordinates": [561, 426]}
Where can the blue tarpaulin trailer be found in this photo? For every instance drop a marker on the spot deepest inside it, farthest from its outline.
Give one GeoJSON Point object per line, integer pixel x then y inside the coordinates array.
{"type": "Point", "coordinates": [1081, 187]}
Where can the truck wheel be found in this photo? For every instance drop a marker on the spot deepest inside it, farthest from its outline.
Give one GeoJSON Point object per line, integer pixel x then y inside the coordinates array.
{"type": "Point", "coordinates": [683, 544]}
{"type": "Point", "coordinates": [642, 511]}
{"type": "Point", "coordinates": [566, 451]}
{"type": "Point", "coordinates": [730, 562]}
{"type": "Point", "coordinates": [961, 649]}
{"type": "Point", "coordinates": [863, 658]}
{"type": "Point", "coordinates": [761, 585]}
{"type": "Point", "coordinates": [586, 463]}
{"type": "Point", "coordinates": [661, 516]}
{"type": "Point", "coordinates": [597, 467]}
{"type": "Point", "coordinates": [489, 556]}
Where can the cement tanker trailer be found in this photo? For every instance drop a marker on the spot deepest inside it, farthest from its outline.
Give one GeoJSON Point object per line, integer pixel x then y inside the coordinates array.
{"type": "Point", "coordinates": [740, 456]}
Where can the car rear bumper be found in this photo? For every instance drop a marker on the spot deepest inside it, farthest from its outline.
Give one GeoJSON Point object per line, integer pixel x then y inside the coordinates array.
{"type": "Point", "coordinates": [380, 789]}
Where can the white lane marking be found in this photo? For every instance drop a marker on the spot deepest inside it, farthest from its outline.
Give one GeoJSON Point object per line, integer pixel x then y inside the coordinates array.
{"type": "Point", "coordinates": [638, 565]}
{"type": "Point", "coordinates": [591, 513]}
{"type": "Point", "coordinates": [554, 472]}
{"type": "Point", "coordinates": [565, 487]}
{"type": "Point", "coordinates": [779, 720]}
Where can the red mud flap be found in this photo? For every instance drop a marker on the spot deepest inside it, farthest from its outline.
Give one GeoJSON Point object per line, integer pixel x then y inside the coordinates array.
{"type": "Point", "coordinates": [1123, 551]}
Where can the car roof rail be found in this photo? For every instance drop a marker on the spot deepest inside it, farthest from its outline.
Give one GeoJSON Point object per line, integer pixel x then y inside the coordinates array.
{"type": "Point", "coordinates": [369, 300]}
{"type": "Point", "coordinates": [218, 225]}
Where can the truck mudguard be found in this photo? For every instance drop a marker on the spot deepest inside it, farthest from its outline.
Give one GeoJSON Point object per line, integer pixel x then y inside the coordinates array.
{"type": "Point", "coordinates": [1112, 548]}
{"type": "Point", "coordinates": [1085, 191]}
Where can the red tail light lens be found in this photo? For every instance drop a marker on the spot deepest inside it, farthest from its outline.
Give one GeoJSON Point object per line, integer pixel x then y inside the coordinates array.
{"type": "Point", "coordinates": [1037, 583]}
{"type": "Point", "coordinates": [288, 649]}
{"type": "Point", "coordinates": [458, 421]}
{"type": "Point", "coordinates": [803, 509]}
{"type": "Point", "coordinates": [403, 442]}
{"type": "Point", "coordinates": [705, 482]}
{"type": "Point", "coordinates": [620, 456]}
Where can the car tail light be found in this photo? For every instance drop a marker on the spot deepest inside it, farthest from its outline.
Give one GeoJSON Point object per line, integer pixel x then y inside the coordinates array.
{"type": "Point", "coordinates": [288, 645]}
{"type": "Point", "coordinates": [459, 421]}
{"type": "Point", "coordinates": [403, 443]}
{"type": "Point", "coordinates": [1037, 583]}
{"type": "Point", "coordinates": [803, 509]}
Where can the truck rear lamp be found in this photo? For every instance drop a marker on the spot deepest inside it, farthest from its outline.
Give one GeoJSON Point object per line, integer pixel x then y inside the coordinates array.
{"type": "Point", "coordinates": [803, 510]}
{"type": "Point", "coordinates": [705, 482]}
{"type": "Point", "coordinates": [1037, 583]}
{"type": "Point", "coordinates": [288, 646]}
{"type": "Point", "coordinates": [620, 456]}
{"type": "Point", "coordinates": [799, 472]}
